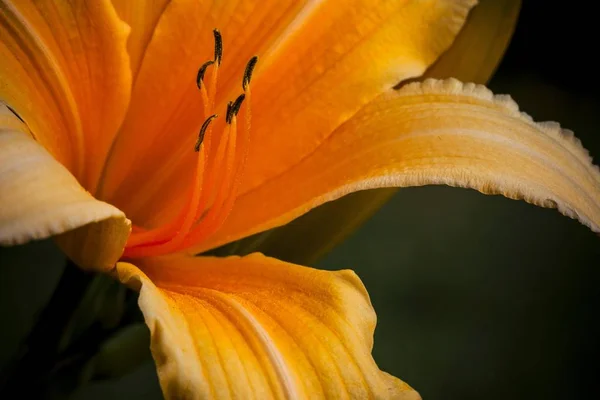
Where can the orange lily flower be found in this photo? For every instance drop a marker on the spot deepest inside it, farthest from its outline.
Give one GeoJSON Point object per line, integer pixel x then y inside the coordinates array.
{"type": "Point", "coordinates": [144, 137]}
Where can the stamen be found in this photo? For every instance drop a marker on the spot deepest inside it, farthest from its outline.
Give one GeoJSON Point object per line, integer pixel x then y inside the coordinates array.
{"type": "Point", "coordinates": [201, 72]}
{"type": "Point", "coordinates": [222, 152]}
{"type": "Point", "coordinates": [248, 72]}
{"type": "Point", "coordinates": [218, 46]}
{"type": "Point", "coordinates": [228, 114]}
{"type": "Point", "coordinates": [216, 168]}
{"type": "Point", "coordinates": [164, 236]}
{"type": "Point", "coordinates": [213, 86]}
{"type": "Point", "coordinates": [193, 205]}
{"type": "Point", "coordinates": [225, 187]}
{"type": "Point", "coordinates": [185, 221]}
{"type": "Point", "coordinates": [233, 108]}
{"type": "Point", "coordinates": [203, 132]}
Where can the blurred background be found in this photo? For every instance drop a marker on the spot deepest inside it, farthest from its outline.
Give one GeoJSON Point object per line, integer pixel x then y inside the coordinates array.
{"type": "Point", "coordinates": [477, 296]}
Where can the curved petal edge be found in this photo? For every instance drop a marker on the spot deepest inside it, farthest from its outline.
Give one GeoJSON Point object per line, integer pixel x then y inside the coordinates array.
{"type": "Point", "coordinates": [258, 328]}
{"type": "Point", "coordinates": [435, 132]}
{"type": "Point", "coordinates": [473, 57]}
{"type": "Point", "coordinates": [39, 198]}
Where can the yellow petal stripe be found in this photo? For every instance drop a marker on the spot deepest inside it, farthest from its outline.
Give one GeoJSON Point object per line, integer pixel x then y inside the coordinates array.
{"type": "Point", "coordinates": [259, 328]}
{"type": "Point", "coordinates": [438, 132]}
{"type": "Point", "coordinates": [39, 198]}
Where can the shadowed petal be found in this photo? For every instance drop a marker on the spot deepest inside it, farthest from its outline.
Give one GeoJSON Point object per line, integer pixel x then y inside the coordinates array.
{"type": "Point", "coordinates": [480, 45]}
{"type": "Point", "coordinates": [437, 132]}
{"type": "Point", "coordinates": [259, 328]}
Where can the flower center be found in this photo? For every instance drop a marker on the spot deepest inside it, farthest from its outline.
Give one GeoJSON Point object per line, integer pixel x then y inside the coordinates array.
{"type": "Point", "coordinates": [222, 149]}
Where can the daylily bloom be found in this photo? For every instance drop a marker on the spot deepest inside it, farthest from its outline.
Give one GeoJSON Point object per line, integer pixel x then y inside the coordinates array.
{"type": "Point", "coordinates": [145, 137]}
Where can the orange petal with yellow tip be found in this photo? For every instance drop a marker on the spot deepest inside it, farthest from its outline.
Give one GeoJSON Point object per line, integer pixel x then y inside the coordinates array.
{"type": "Point", "coordinates": [437, 132]}
{"type": "Point", "coordinates": [64, 69]}
{"type": "Point", "coordinates": [39, 198]}
{"type": "Point", "coordinates": [473, 57]}
{"type": "Point", "coordinates": [258, 328]}
{"type": "Point", "coordinates": [320, 61]}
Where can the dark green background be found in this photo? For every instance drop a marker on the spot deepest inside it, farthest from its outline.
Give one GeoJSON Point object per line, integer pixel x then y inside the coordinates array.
{"type": "Point", "coordinates": [477, 296]}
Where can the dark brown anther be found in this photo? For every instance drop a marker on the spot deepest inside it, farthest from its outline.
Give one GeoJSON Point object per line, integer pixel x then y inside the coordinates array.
{"type": "Point", "coordinates": [201, 72]}
{"type": "Point", "coordinates": [228, 114]}
{"type": "Point", "coordinates": [233, 108]}
{"type": "Point", "coordinates": [203, 132]}
{"type": "Point", "coordinates": [237, 104]}
{"type": "Point", "coordinates": [218, 46]}
{"type": "Point", "coordinates": [248, 72]}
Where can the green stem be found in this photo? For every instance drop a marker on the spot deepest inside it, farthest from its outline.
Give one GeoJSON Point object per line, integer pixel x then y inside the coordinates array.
{"type": "Point", "coordinates": [29, 376]}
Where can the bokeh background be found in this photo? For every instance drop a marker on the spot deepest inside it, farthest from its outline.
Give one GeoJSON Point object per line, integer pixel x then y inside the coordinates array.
{"type": "Point", "coordinates": [478, 297]}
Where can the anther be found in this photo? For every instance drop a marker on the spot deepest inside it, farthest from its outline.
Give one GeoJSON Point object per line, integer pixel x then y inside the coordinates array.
{"type": "Point", "coordinates": [203, 132]}
{"type": "Point", "coordinates": [237, 104]}
{"type": "Point", "coordinates": [228, 114]}
{"type": "Point", "coordinates": [201, 72]}
{"type": "Point", "coordinates": [248, 72]}
{"type": "Point", "coordinates": [233, 108]}
{"type": "Point", "coordinates": [218, 46]}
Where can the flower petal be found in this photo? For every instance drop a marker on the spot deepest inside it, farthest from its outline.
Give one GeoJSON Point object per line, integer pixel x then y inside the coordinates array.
{"type": "Point", "coordinates": [480, 45]}
{"type": "Point", "coordinates": [344, 57]}
{"type": "Point", "coordinates": [142, 17]}
{"type": "Point", "coordinates": [319, 64]}
{"type": "Point", "coordinates": [166, 110]}
{"type": "Point", "coordinates": [437, 132]}
{"type": "Point", "coordinates": [259, 328]}
{"type": "Point", "coordinates": [64, 68]}
{"type": "Point", "coordinates": [473, 57]}
{"type": "Point", "coordinates": [39, 198]}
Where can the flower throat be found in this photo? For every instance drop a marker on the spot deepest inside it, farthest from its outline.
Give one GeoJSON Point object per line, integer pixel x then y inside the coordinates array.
{"type": "Point", "coordinates": [221, 151]}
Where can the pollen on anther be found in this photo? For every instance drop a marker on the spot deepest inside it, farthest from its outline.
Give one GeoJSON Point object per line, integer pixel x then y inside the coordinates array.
{"type": "Point", "coordinates": [203, 132]}
{"type": "Point", "coordinates": [248, 72]}
{"type": "Point", "coordinates": [218, 46]}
